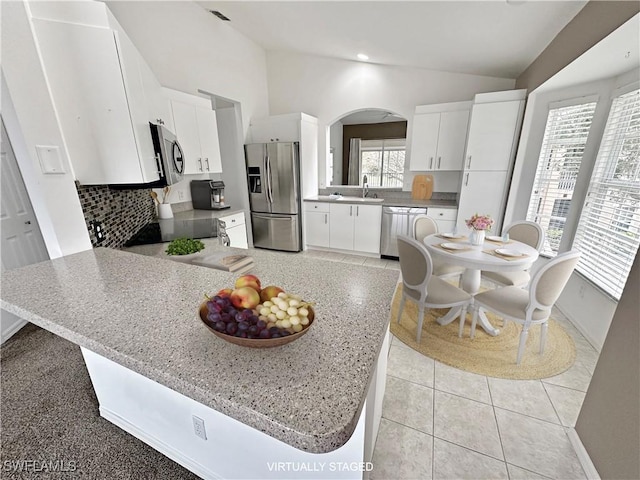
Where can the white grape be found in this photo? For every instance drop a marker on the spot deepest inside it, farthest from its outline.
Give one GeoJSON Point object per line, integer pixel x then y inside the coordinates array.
{"type": "Point", "coordinates": [275, 309]}
{"type": "Point", "coordinates": [262, 317]}
{"type": "Point", "coordinates": [272, 317]}
{"type": "Point", "coordinates": [271, 324]}
{"type": "Point", "coordinates": [285, 323]}
{"type": "Point", "coordinates": [294, 319]}
{"type": "Point", "coordinates": [283, 305]}
{"type": "Point", "coordinates": [304, 321]}
{"type": "Point", "coordinates": [265, 311]}
{"type": "Point", "coordinates": [267, 304]}
{"type": "Point", "coordinates": [297, 328]}
{"type": "Point", "coordinates": [279, 324]}
{"type": "Point", "coordinates": [294, 303]}
{"type": "Point", "coordinates": [296, 297]}
{"type": "Point", "coordinates": [303, 312]}
{"type": "Point", "coordinates": [283, 295]}
{"type": "Point", "coordinates": [281, 314]}
{"type": "Point", "coordinates": [292, 311]}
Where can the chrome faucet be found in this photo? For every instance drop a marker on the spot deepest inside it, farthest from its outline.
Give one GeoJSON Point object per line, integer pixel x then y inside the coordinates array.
{"type": "Point", "coordinates": [365, 187]}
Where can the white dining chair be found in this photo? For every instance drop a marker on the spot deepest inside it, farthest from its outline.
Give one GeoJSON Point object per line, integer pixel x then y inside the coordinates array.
{"type": "Point", "coordinates": [530, 306]}
{"type": "Point", "coordinates": [526, 232]}
{"type": "Point", "coordinates": [420, 285]}
{"type": "Point", "coordinates": [423, 226]}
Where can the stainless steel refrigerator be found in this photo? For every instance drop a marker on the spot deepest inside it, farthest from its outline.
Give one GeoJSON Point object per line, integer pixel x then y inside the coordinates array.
{"type": "Point", "coordinates": [273, 174]}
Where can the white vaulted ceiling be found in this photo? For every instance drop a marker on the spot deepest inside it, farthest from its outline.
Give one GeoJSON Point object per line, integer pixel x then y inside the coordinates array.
{"type": "Point", "coordinates": [498, 38]}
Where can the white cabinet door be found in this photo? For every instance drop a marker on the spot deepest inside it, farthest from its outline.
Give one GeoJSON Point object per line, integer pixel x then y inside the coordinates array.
{"type": "Point", "coordinates": [317, 229]}
{"type": "Point", "coordinates": [275, 129]}
{"type": "Point", "coordinates": [130, 64]}
{"type": "Point", "coordinates": [451, 140]}
{"type": "Point", "coordinates": [492, 135]}
{"type": "Point", "coordinates": [367, 228]}
{"type": "Point", "coordinates": [186, 125]}
{"type": "Point", "coordinates": [444, 217]}
{"type": "Point", "coordinates": [238, 236]}
{"type": "Point", "coordinates": [80, 61]}
{"type": "Point", "coordinates": [481, 193]}
{"type": "Point", "coordinates": [424, 142]}
{"type": "Point", "coordinates": [209, 142]}
{"type": "Point", "coordinates": [341, 226]}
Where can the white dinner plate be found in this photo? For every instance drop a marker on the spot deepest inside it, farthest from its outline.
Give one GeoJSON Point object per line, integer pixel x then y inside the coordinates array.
{"type": "Point", "coordinates": [494, 238]}
{"type": "Point", "coordinates": [453, 246]}
{"type": "Point", "coordinates": [452, 235]}
{"type": "Point", "coordinates": [508, 252]}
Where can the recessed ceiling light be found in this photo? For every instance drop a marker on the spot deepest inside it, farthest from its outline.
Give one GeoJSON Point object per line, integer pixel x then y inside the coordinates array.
{"type": "Point", "coordinates": [362, 56]}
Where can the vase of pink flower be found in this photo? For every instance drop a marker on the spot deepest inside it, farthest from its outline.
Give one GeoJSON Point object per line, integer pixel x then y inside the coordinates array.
{"type": "Point", "coordinates": [478, 224]}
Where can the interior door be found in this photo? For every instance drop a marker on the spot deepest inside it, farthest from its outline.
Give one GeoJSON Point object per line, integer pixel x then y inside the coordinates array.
{"type": "Point", "coordinates": [22, 242]}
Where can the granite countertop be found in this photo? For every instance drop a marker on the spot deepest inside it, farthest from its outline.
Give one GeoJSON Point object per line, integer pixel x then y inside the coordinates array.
{"type": "Point", "coordinates": [204, 214]}
{"type": "Point", "coordinates": [141, 312]}
{"type": "Point", "coordinates": [387, 202]}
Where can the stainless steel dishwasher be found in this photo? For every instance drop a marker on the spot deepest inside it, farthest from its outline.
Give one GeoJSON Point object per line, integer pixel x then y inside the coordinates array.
{"type": "Point", "coordinates": [396, 221]}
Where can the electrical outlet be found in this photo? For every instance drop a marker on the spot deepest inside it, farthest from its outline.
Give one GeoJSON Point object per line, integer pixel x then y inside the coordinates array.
{"type": "Point", "coordinates": [98, 230]}
{"type": "Point", "coordinates": [180, 195]}
{"type": "Point", "coordinates": [198, 427]}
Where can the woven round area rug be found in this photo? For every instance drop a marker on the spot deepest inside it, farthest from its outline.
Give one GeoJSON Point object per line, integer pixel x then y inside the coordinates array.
{"type": "Point", "coordinates": [484, 354]}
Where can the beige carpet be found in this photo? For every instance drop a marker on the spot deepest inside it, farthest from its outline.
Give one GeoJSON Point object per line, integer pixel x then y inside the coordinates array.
{"type": "Point", "coordinates": [484, 354]}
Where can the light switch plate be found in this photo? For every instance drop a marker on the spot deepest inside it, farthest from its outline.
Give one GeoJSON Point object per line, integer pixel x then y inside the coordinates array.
{"type": "Point", "coordinates": [50, 161]}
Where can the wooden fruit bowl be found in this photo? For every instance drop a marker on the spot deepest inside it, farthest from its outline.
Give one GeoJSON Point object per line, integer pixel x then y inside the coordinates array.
{"type": "Point", "coordinates": [255, 342]}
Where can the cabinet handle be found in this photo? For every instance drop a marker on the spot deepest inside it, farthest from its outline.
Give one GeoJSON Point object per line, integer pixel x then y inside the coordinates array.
{"type": "Point", "coordinates": [469, 163]}
{"type": "Point", "coordinates": [439, 159]}
{"type": "Point", "coordinates": [466, 182]}
{"type": "Point", "coordinates": [351, 210]}
{"type": "Point", "coordinates": [357, 211]}
{"type": "Point", "coordinates": [325, 218]}
{"type": "Point", "coordinates": [200, 162]}
{"type": "Point", "coordinates": [207, 162]}
{"type": "Point", "coordinates": [430, 163]}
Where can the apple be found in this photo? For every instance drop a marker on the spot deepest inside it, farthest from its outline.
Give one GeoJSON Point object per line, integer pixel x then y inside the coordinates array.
{"type": "Point", "coordinates": [225, 292]}
{"type": "Point", "coordinates": [267, 293]}
{"type": "Point", "coordinates": [248, 281]}
{"type": "Point", "coordinates": [245, 297]}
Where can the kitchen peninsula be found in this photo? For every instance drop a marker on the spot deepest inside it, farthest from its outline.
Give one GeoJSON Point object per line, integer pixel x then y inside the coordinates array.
{"type": "Point", "coordinates": [155, 366]}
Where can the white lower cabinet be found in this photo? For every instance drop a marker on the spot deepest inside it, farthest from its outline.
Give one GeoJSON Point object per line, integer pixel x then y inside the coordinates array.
{"type": "Point", "coordinates": [317, 224]}
{"type": "Point", "coordinates": [444, 217]}
{"type": "Point", "coordinates": [355, 227]}
{"type": "Point", "coordinates": [236, 229]}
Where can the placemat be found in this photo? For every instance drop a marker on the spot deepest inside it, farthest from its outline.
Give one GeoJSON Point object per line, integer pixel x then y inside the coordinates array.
{"type": "Point", "coordinates": [461, 239]}
{"type": "Point", "coordinates": [509, 259]}
{"type": "Point", "coordinates": [452, 251]}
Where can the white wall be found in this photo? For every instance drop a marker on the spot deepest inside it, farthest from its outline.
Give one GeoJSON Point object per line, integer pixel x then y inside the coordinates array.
{"type": "Point", "coordinates": [335, 142]}
{"type": "Point", "coordinates": [329, 88]}
{"type": "Point", "coordinates": [189, 49]}
{"type": "Point", "coordinates": [30, 119]}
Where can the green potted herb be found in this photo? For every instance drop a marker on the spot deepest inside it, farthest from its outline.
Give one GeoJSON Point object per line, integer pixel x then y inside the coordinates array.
{"type": "Point", "coordinates": [184, 246]}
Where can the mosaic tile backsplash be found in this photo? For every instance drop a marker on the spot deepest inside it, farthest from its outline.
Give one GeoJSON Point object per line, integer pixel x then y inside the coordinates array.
{"type": "Point", "coordinates": [120, 213]}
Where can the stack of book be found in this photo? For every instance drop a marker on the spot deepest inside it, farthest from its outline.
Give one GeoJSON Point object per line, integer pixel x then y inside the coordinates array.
{"type": "Point", "coordinates": [227, 262]}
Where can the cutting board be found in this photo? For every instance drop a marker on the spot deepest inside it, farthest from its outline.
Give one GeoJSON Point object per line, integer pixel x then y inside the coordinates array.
{"type": "Point", "coordinates": [422, 187]}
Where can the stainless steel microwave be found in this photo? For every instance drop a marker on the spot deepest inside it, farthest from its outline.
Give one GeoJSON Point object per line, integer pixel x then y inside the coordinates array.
{"type": "Point", "coordinates": [169, 156]}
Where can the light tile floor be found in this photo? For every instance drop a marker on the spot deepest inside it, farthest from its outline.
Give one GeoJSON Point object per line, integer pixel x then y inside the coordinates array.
{"type": "Point", "coordinates": [440, 423]}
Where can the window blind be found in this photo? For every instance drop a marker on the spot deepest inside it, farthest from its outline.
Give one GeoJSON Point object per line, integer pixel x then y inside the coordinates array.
{"type": "Point", "coordinates": [608, 232]}
{"type": "Point", "coordinates": [560, 157]}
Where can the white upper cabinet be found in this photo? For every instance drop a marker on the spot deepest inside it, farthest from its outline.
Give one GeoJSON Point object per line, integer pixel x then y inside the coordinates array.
{"type": "Point", "coordinates": [438, 138]}
{"type": "Point", "coordinates": [100, 89]}
{"type": "Point", "coordinates": [493, 135]}
{"type": "Point", "coordinates": [196, 127]}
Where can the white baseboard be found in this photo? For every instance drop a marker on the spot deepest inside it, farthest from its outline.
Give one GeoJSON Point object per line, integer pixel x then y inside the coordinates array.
{"type": "Point", "coordinates": [158, 445]}
{"type": "Point", "coordinates": [11, 330]}
{"type": "Point", "coordinates": [583, 456]}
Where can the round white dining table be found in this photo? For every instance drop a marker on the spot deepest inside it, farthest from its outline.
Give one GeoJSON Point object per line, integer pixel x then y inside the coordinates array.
{"type": "Point", "coordinates": [475, 259]}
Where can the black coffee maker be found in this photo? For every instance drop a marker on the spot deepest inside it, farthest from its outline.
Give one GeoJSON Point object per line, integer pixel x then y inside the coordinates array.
{"type": "Point", "coordinates": [208, 195]}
